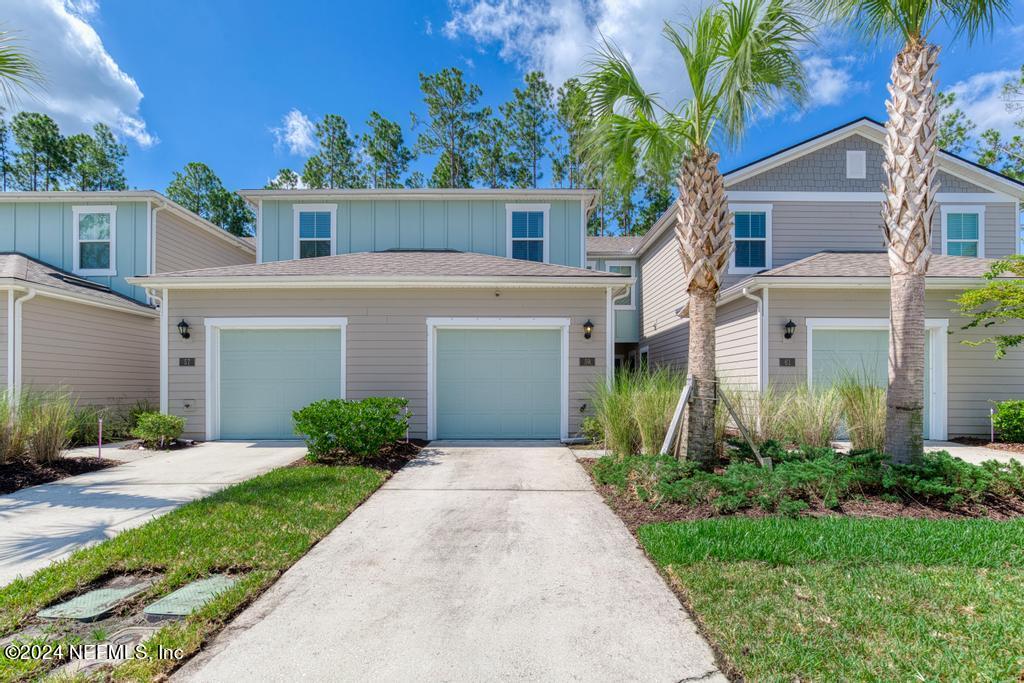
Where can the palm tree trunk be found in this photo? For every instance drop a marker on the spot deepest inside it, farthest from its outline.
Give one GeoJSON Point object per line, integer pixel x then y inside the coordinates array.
{"type": "Point", "coordinates": [704, 235]}
{"type": "Point", "coordinates": [910, 164]}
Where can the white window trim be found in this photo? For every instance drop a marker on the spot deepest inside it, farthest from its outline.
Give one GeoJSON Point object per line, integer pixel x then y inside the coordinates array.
{"type": "Point", "coordinates": [631, 306]}
{"type": "Point", "coordinates": [767, 210]}
{"type": "Point", "coordinates": [76, 213]}
{"type": "Point", "coordinates": [856, 164]}
{"type": "Point", "coordinates": [938, 329]}
{"type": "Point", "coordinates": [435, 324]}
{"type": "Point", "coordinates": [309, 208]}
{"type": "Point", "coordinates": [644, 352]}
{"type": "Point", "coordinates": [979, 209]}
{"type": "Point", "coordinates": [543, 208]}
{"type": "Point", "coordinates": [213, 327]}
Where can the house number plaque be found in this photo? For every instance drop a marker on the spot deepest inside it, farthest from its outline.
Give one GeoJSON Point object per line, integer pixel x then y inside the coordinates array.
{"type": "Point", "coordinates": [586, 361]}
{"type": "Point", "coordinates": [787, 362]}
{"type": "Point", "coordinates": [187, 362]}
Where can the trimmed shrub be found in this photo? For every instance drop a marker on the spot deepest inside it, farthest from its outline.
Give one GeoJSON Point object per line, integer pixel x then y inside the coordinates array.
{"type": "Point", "coordinates": [1009, 421]}
{"type": "Point", "coordinates": [335, 427]}
{"type": "Point", "coordinates": [158, 430]}
{"type": "Point", "coordinates": [863, 406]}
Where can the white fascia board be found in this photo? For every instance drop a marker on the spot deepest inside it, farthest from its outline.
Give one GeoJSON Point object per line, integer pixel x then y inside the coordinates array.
{"type": "Point", "coordinates": [54, 293]}
{"type": "Point", "coordinates": [244, 282]}
{"type": "Point", "coordinates": [841, 197]}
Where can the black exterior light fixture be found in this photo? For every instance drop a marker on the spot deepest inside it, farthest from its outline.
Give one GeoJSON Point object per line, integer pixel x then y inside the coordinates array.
{"type": "Point", "coordinates": [588, 329]}
{"type": "Point", "coordinates": [790, 329]}
{"type": "Point", "coordinates": [183, 329]}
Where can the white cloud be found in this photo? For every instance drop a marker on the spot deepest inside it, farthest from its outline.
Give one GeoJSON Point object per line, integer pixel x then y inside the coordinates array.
{"type": "Point", "coordinates": [560, 36]}
{"type": "Point", "coordinates": [829, 80]}
{"type": "Point", "coordinates": [980, 97]}
{"type": "Point", "coordinates": [297, 133]}
{"type": "Point", "coordinates": [84, 85]}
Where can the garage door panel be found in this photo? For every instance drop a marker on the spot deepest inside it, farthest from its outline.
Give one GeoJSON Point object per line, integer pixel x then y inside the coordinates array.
{"type": "Point", "coordinates": [267, 374]}
{"type": "Point", "coordinates": [498, 384]}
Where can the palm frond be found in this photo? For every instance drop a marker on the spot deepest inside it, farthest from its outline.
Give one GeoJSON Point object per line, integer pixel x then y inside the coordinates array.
{"type": "Point", "coordinates": [613, 86]}
{"type": "Point", "coordinates": [17, 69]}
{"type": "Point", "coordinates": [973, 18]}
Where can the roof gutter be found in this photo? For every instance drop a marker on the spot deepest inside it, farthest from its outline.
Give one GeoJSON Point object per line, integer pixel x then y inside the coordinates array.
{"type": "Point", "coordinates": [42, 290]}
{"type": "Point", "coordinates": [293, 282]}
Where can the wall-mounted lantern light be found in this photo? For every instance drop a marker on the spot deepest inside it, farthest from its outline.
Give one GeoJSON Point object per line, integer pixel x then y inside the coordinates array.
{"type": "Point", "coordinates": [790, 329]}
{"type": "Point", "coordinates": [588, 329]}
{"type": "Point", "coordinates": [183, 329]}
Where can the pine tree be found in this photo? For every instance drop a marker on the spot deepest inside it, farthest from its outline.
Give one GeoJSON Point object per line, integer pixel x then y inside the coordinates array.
{"type": "Point", "coordinates": [529, 120]}
{"type": "Point", "coordinates": [450, 127]}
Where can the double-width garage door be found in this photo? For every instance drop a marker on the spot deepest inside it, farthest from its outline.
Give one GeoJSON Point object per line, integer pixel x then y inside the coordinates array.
{"type": "Point", "coordinates": [498, 383]}
{"type": "Point", "coordinates": [265, 374]}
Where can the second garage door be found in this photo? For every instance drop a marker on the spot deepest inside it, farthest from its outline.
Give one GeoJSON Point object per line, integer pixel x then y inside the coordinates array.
{"type": "Point", "coordinates": [498, 384]}
{"type": "Point", "coordinates": [266, 374]}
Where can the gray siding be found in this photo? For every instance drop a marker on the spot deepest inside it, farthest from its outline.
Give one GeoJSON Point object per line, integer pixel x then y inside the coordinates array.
{"type": "Point", "coordinates": [824, 170]}
{"type": "Point", "coordinates": [466, 225]}
{"type": "Point", "coordinates": [182, 245]}
{"type": "Point", "coordinates": [104, 357]}
{"type": "Point", "coordinates": [736, 344]}
{"type": "Point", "coordinates": [661, 329]}
{"type": "Point", "coordinates": [43, 231]}
{"type": "Point", "coordinates": [975, 378]}
{"type": "Point", "coordinates": [387, 336]}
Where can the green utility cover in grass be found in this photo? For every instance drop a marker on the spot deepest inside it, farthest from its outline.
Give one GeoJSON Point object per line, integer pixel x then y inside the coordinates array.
{"type": "Point", "coordinates": [266, 374]}
{"type": "Point", "coordinates": [93, 605]}
{"type": "Point", "coordinates": [189, 597]}
{"type": "Point", "coordinates": [498, 384]}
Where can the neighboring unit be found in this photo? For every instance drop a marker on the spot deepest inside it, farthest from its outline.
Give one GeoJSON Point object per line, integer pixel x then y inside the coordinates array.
{"type": "Point", "coordinates": [476, 305]}
{"type": "Point", "coordinates": [69, 318]}
{"type": "Point", "coordinates": [809, 250]}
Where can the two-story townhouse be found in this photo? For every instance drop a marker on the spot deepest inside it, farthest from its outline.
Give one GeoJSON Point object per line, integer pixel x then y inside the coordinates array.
{"type": "Point", "coordinates": [805, 297]}
{"type": "Point", "coordinates": [475, 305]}
{"type": "Point", "coordinates": [69, 318]}
{"type": "Point", "coordinates": [616, 255]}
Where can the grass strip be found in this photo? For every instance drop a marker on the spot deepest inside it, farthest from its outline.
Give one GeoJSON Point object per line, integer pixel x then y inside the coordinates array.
{"type": "Point", "coordinates": [261, 526]}
{"type": "Point", "coordinates": [853, 599]}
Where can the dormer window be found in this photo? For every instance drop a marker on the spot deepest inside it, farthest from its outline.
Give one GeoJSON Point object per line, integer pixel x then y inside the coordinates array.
{"type": "Point", "coordinates": [95, 229]}
{"type": "Point", "coordinates": [963, 230]}
{"type": "Point", "coordinates": [752, 236]}
{"type": "Point", "coordinates": [527, 231]}
{"type": "Point", "coordinates": [315, 230]}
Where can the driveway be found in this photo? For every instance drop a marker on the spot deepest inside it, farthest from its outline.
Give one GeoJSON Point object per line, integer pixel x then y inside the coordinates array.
{"type": "Point", "coordinates": [472, 563]}
{"type": "Point", "coordinates": [41, 524]}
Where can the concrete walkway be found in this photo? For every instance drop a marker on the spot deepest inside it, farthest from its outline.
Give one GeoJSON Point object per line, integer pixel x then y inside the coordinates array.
{"type": "Point", "coordinates": [42, 524]}
{"type": "Point", "coordinates": [971, 454]}
{"type": "Point", "coordinates": [472, 563]}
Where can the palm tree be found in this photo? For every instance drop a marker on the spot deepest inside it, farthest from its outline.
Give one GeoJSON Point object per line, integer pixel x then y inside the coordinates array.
{"type": "Point", "coordinates": [17, 69]}
{"type": "Point", "coordinates": [910, 165]}
{"type": "Point", "coordinates": [737, 58]}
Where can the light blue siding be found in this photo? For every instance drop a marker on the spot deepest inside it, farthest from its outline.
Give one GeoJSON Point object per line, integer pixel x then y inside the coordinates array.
{"type": "Point", "coordinates": [498, 384]}
{"type": "Point", "coordinates": [44, 231]}
{"type": "Point", "coordinates": [475, 225]}
{"type": "Point", "coordinates": [627, 323]}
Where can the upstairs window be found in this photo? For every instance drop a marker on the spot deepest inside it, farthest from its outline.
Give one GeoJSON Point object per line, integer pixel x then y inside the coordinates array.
{"type": "Point", "coordinates": [528, 232]}
{"type": "Point", "coordinates": [752, 229]}
{"type": "Point", "coordinates": [963, 229]}
{"type": "Point", "coordinates": [94, 232]}
{"type": "Point", "coordinates": [626, 301]}
{"type": "Point", "coordinates": [314, 230]}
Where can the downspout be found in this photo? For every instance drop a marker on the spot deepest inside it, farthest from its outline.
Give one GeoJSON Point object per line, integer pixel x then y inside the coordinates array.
{"type": "Point", "coordinates": [760, 335]}
{"type": "Point", "coordinates": [609, 350]}
{"type": "Point", "coordinates": [18, 329]}
{"type": "Point", "coordinates": [162, 304]}
{"type": "Point", "coordinates": [10, 342]}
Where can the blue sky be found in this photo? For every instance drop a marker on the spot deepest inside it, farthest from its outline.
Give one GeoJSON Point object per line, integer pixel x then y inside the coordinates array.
{"type": "Point", "coordinates": [195, 80]}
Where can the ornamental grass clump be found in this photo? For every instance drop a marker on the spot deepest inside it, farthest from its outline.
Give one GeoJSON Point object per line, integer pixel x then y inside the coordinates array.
{"type": "Point", "coordinates": [50, 421]}
{"type": "Point", "coordinates": [863, 409]}
{"type": "Point", "coordinates": [763, 412]}
{"type": "Point", "coordinates": [812, 416]}
{"type": "Point", "coordinates": [613, 408]}
{"type": "Point", "coordinates": [654, 400]}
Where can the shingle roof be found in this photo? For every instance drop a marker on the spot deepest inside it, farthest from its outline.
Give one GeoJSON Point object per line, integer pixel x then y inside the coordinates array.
{"type": "Point", "coordinates": [396, 264]}
{"type": "Point", "coordinates": [619, 246]}
{"type": "Point", "coordinates": [876, 264]}
{"type": "Point", "coordinates": [17, 266]}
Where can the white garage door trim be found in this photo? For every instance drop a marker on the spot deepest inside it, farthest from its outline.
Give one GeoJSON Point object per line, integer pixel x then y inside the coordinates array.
{"type": "Point", "coordinates": [937, 341]}
{"type": "Point", "coordinates": [213, 329]}
{"type": "Point", "coordinates": [435, 324]}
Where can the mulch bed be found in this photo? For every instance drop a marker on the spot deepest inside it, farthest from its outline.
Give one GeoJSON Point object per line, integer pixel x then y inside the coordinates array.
{"type": "Point", "coordinates": [176, 445]}
{"type": "Point", "coordinates": [391, 458]}
{"type": "Point", "coordinates": [20, 473]}
{"type": "Point", "coordinates": [635, 513]}
{"type": "Point", "coordinates": [985, 443]}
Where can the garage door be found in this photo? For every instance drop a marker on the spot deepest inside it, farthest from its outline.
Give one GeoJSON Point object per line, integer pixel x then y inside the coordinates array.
{"type": "Point", "coordinates": [862, 355]}
{"type": "Point", "coordinates": [266, 374]}
{"type": "Point", "coordinates": [498, 384]}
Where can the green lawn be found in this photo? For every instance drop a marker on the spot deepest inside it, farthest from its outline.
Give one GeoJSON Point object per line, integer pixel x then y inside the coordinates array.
{"type": "Point", "coordinates": [261, 526]}
{"type": "Point", "coordinates": [853, 599]}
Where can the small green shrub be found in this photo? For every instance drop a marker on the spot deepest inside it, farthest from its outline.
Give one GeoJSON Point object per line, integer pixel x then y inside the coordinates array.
{"type": "Point", "coordinates": [50, 422]}
{"type": "Point", "coordinates": [863, 409]}
{"type": "Point", "coordinates": [158, 430]}
{"type": "Point", "coordinates": [590, 429]}
{"type": "Point", "coordinates": [1009, 421]}
{"type": "Point", "coordinates": [335, 427]}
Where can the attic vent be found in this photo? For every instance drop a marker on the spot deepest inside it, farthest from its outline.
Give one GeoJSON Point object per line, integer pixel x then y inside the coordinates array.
{"type": "Point", "coordinates": [856, 164]}
{"type": "Point", "coordinates": [81, 282]}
